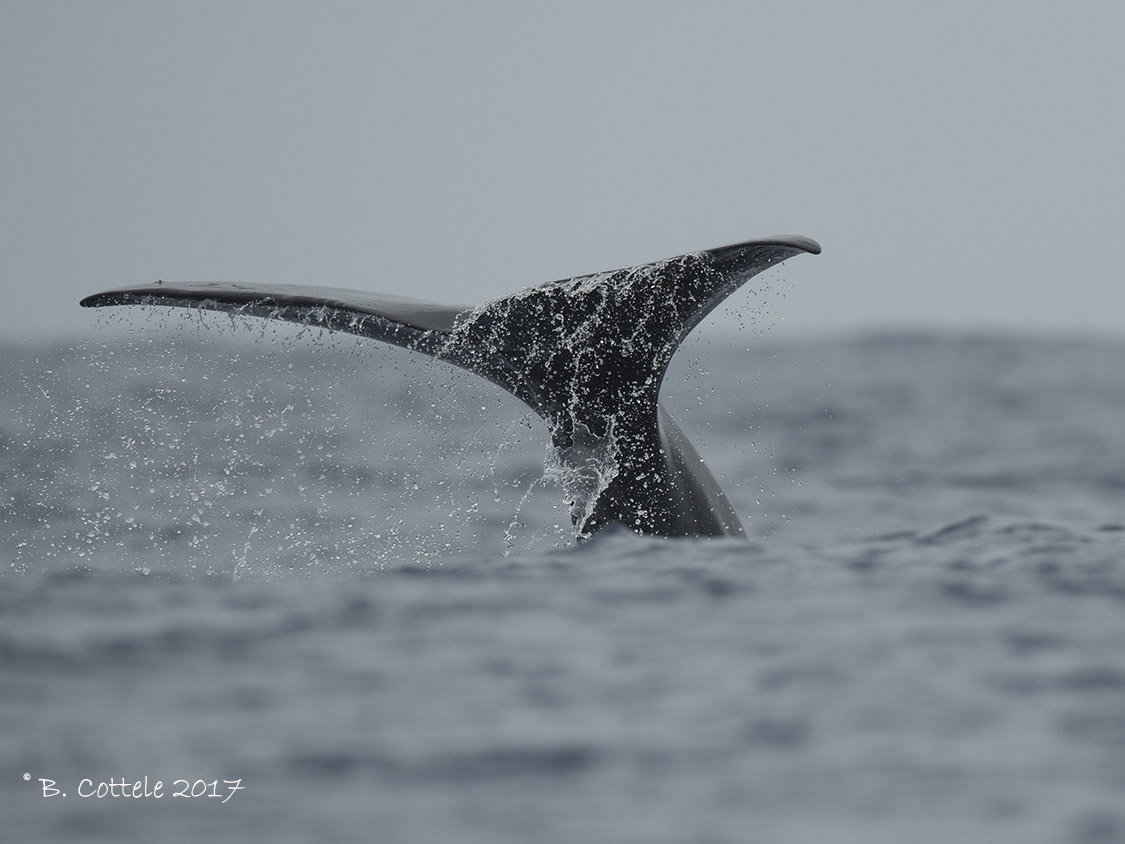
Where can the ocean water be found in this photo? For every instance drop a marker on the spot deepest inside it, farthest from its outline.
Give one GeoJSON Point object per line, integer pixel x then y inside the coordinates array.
{"type": "Point", "coordinates": [333, 585]}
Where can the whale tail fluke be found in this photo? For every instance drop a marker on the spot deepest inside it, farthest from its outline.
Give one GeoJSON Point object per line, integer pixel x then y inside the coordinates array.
{"type": "Point", "coordinates": [587, 353]}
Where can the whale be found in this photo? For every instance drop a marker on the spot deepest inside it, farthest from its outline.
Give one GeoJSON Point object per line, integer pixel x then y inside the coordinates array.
{"type": "Point", "coordinates": [588, 354]}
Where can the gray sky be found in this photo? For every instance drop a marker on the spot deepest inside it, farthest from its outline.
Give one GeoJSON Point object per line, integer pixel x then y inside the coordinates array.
{"type": "Point", "coordinates": [961, 163]}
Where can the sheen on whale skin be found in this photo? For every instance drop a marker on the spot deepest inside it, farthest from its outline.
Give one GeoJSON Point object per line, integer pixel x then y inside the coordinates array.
{"type": "Point", "coordinates": [588, 354]}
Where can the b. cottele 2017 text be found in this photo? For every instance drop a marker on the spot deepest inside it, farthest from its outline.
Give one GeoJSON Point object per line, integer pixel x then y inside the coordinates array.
{"type": "Point", "coordinates": [142, 788]}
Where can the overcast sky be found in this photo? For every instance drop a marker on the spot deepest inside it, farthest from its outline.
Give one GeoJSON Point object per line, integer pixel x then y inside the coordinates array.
{"type": "Point", "coordinates": [961, 163]}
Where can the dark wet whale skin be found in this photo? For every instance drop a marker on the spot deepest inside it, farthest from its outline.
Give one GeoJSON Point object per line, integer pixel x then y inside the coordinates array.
{"type": "Point", "coordinates": [588, 354]}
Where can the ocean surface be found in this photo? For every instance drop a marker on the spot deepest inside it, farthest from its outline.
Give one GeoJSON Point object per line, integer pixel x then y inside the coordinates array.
{"type": "Point", "coordinates": [327, 591]}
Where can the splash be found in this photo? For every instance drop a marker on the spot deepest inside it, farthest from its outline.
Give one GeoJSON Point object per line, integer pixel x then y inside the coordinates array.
{"type": "Point", "coordinates": [584, 467]}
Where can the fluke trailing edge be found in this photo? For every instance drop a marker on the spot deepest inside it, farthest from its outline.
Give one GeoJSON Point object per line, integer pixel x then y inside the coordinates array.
{"type": "Point", "coordinates": [588, 354]}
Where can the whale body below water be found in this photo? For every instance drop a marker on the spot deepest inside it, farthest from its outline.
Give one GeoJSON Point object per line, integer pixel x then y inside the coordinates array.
{"type": "Point", "coordinates": [588, 354]}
